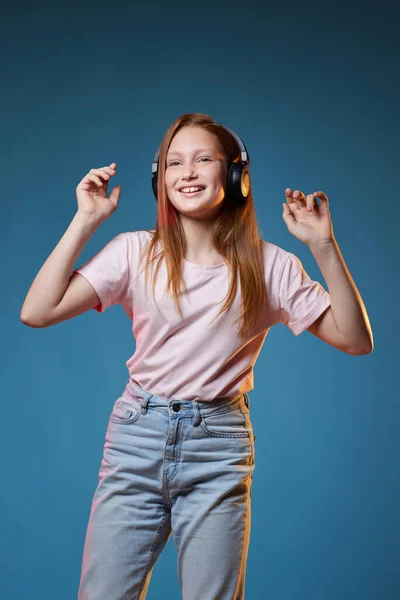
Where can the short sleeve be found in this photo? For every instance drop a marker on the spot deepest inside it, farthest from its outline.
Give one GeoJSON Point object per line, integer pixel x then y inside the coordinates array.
{"type": "Point", "coordinates": [302, 300]}
{"type": "Point", "coordinates": [108, 272]}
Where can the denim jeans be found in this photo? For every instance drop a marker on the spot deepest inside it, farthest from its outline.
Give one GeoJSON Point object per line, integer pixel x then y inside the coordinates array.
{"type": "Point", "coordinates": [171, 467]}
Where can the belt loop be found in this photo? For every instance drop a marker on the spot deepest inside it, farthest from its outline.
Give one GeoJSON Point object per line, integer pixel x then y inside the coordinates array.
{"type": "Point", "coordinates": [145, 402]}
{"type": "Point", "coordinates": [197, 415]}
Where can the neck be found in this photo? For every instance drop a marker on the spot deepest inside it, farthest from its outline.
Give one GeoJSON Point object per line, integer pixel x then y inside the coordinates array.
{"type": "Point", "coordinates": [199, 247]}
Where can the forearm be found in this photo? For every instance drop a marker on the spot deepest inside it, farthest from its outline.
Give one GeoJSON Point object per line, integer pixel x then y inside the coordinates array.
{"type": "Point", "coordinates": [348, 309]}
{"type": "Point", "coordinates": [53, 278]}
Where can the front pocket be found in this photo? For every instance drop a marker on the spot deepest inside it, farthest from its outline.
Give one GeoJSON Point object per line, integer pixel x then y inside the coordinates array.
{"type": "Point", "coordinates": [125, 410]}
{"type": "Point", "coordinates": [231, 423]}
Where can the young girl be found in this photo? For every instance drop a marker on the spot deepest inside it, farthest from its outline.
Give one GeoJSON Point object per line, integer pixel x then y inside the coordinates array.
{"type": "Point", "coordinates": [179, 449]}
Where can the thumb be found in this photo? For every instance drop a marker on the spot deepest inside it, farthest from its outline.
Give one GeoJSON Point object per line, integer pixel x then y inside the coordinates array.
{"type": "Point", "coordinates": [287, 215]}
{"type": "Point", "coordinates": [115, 194]}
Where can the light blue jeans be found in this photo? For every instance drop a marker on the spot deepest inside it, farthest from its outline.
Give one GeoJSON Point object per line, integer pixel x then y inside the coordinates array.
{"type": "Point", "coordinates": [171, 467]}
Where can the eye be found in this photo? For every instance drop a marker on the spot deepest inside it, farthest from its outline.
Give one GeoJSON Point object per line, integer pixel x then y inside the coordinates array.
{"type": "Point", "coordinates": [177, 161]}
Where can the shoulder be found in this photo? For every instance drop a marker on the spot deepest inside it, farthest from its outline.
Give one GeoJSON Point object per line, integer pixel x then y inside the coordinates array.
{"type": "Point", "coordinates": [135, 238]}
{"type": "Point", "coordinates": [274, 256]}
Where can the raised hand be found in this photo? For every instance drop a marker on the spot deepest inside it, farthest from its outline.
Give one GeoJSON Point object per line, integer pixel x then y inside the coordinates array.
{"type": "Point", "coordinates": [305, 219]}
{"type": "Point", "coordinates": [91, 193]}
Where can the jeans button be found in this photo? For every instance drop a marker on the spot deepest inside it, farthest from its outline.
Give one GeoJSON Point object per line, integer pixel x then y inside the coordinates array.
{"type": "Point", "coordinates": [176, 407]}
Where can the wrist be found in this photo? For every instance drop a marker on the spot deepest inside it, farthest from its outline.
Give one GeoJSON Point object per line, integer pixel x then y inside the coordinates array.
{"type": "Point", "coordinates": [87, 221]}
{"type": "Point", "coordinates": [323, 246]}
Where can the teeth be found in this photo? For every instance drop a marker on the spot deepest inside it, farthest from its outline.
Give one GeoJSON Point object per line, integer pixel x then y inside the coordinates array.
{"type": "Point", "coordinates": [192, 189]}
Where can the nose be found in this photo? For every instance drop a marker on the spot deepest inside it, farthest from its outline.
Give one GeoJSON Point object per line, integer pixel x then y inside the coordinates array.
{"type": "Point", "coordinates": [188, 172]}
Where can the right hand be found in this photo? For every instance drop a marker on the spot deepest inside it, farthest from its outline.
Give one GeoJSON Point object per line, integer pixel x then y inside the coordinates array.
{"type": "Point", "coordinates": [91, 193]}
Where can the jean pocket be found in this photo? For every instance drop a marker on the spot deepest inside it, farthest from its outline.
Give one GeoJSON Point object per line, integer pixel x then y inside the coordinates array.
{"type": "Point", "coordinates": [126, 410]}
{"type": "Point", "coordinates": [226, 423]}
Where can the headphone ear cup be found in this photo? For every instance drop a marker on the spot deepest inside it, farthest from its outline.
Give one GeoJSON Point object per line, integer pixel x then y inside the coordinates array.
{"type": "Point", "coordinates": [238, 182]}
{"type": "Point", "coordinates": [154, 185]}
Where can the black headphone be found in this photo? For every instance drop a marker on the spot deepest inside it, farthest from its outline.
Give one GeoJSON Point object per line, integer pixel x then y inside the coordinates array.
{"type": "Point", "coordinates": [238, 179]}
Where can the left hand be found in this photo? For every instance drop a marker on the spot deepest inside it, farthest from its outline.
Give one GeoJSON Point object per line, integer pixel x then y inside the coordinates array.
{"type": "Point", "coordinates": [305, 219]}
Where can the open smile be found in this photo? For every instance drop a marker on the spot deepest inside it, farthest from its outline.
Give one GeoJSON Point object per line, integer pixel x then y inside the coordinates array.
{"type": "Point", "coordinates": [190, 194]}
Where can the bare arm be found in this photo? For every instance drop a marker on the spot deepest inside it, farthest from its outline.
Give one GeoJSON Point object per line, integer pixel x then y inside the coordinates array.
{"type": "Point", "coordinates": [55, 295]}
{"type": "Point", "coordinates": [51, 282]}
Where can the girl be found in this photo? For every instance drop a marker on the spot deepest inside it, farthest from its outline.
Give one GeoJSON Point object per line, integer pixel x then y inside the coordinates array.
{"type": "Point", "coordinates": [179, 450]}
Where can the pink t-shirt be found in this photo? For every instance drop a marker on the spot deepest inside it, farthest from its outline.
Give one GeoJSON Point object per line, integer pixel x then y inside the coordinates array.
{"type": "Point", "coordinates": [186, 358]}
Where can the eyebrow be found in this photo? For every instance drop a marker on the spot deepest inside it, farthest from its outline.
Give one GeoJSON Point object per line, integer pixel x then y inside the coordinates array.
{"type": "Point", "coordinates": [176, 153]}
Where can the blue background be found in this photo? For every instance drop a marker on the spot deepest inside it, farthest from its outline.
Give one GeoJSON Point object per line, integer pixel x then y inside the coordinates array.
{"type": "Point", "coordinates": [313, 91]}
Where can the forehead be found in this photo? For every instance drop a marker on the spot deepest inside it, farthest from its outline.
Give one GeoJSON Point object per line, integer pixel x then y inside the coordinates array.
{"type": "Point", "coordinates": [190, 150]}
{"type": "Point", "coordinates": [191, 140]}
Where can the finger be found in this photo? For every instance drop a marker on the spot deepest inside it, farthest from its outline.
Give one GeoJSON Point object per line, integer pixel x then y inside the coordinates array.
{"type": "Point", "coordinates": [299, 198]}
{"type": "Point", "coordinates": [101, 173]}
{"type": "Point", "coordinates": [305, 201]}
{"type": "Point", "coordinates": [109, 170]}
{"type": "Point", "coordinates": [91, 177]}
{"type": "Point", "coordinates": [321, 195]}
{"type": "Point", "coordinates": [94, 178]}
{"type": "Point", "coordinates": [310, 200]}
{"type": "Point", "coordinates": [289, 196]}
{"type": "Point", "coordinates": [115, 194]}
{"type": "Point", "coordinates": [324, 202]}
{"type": "Point", "coordinates": [287, 215]}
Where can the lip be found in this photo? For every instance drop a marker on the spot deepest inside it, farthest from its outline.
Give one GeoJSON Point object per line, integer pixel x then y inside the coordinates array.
{"type": "Point", "coordinates": [194, 185]}
{"type": "Point", "coordinates": [191, 194]}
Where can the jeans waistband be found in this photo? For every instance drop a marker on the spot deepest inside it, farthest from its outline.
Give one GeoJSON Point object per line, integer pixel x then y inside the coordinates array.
{"type": "Point", "coordinates": [197, 406]}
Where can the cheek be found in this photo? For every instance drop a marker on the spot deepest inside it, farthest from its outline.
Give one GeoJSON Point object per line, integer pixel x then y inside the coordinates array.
{"type": "Point", "coordinates": [168, 181]}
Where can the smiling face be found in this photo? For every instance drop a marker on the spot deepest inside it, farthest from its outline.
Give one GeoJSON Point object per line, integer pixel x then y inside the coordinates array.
{"type": "Point", "coordinates": [194, 158]}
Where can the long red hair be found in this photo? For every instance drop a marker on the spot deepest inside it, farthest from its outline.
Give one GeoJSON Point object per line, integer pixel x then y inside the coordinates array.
{"type": "Point", "coordinates": [235, 233]}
